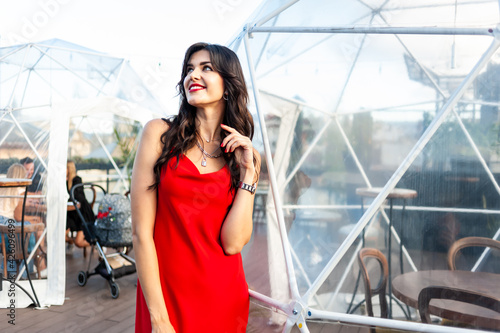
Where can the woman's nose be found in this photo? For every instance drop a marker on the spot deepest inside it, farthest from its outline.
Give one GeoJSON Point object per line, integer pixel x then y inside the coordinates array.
{"type": "Point", "coordinates": [195, 74]}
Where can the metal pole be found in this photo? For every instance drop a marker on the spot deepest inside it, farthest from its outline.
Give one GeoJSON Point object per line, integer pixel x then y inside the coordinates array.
{"type": "Point", "coordinates": [377, 30]}
{"type": "Point", "coordinates": [272, 178]}
{"type": "Point", "coordinates": [398, 207]}
{"type": "Point", "coordinates": [405, 326]}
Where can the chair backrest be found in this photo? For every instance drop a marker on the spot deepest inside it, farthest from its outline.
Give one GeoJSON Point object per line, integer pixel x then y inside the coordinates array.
{"type": "Point", "coordinates": [11, 232]}
{"type": "Point", "coordinates": [14, 233]}
{"type": "Point", "coordinates": [91, 188]}
{"type": "Point", "coordinates": [459, 295]}
{"type": "Point", "coordinates": [469, 242]}
{"type": "Point", "coordinates": [370, 253]}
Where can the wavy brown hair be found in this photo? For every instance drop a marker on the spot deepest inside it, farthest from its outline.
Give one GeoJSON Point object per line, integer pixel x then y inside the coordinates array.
{"type": "Point", "coordinates": [182, 134]}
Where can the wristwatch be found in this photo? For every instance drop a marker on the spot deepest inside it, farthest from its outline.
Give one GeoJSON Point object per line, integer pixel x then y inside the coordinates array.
{"type": "Point", "coordinates": [247, 187]}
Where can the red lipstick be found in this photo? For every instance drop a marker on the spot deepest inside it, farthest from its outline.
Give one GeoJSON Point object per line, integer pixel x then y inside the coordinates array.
{"type": "Point", "coordinates": [196, 87]}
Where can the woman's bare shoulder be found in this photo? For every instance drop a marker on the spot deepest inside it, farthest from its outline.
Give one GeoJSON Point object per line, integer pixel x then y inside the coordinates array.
{"type": "Point", "coordinates": [151, 135]}
{"type": "Point", "coordinates": [154, 129]}
{"type": "Point", "coordinates": [156, 125]}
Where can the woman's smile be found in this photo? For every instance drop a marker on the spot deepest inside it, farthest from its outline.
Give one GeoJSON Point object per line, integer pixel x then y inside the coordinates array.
{"type": "Point", "coordinates": [196, 87]}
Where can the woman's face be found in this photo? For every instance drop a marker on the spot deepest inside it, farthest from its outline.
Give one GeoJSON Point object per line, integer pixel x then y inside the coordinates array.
{"type": "Point", "coordinates": [204, 87]}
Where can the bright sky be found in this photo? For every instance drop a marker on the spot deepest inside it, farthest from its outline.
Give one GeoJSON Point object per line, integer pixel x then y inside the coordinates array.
{"type": "Point", "coordinates": [153, 34]}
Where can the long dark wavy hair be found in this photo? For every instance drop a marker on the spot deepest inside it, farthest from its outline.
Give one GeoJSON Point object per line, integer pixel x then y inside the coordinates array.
{"type": "Point", "coordinates": [182, 134]}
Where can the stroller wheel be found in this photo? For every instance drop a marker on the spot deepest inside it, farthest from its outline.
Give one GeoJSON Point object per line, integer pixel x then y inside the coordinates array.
{"type": "Point", "coordinates": [115, 289]}
{"type": "Point", "coordinates": [82, 278]}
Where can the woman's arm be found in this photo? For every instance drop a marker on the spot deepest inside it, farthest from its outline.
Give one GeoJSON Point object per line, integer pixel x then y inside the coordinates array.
{"type": "Point", "coordinates": [237, 228]}
{"type": "Point", "coordinates": [143, 203]}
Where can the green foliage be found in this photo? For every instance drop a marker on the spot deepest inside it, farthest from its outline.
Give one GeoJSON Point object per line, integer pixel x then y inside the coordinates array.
{"type": "Point", "coordinates": [126, 140]}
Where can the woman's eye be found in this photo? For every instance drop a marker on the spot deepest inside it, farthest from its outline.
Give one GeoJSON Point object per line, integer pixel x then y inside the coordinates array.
{"type": "Point", "coordinates": [207, 68]}
{"type": "Point", "coordinates": [189, 70]}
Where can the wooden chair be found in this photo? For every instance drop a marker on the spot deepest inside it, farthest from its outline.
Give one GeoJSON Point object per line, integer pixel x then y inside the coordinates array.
{"type": "Point", "coordinates": [469, 242]}
{"type": "Point", "coordinates": [380, 289]}
{"type": "Point", "coordinates": [438, 292]}
{"type": "Point", "coordinates": [8, 232]}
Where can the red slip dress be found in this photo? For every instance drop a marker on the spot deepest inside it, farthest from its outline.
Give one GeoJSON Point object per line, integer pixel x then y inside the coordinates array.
{"type": "Point", "coordinates": [204, 289]}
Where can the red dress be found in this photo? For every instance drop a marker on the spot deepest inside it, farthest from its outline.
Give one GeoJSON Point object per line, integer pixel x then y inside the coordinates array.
{"type": "Point", "coordinates": [204, 289]}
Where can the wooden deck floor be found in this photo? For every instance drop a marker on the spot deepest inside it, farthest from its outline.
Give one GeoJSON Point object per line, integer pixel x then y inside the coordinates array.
{"type": "Point", "coordinates": [86, 309]}
{"type": "Point", "coordinates": [91, 308]}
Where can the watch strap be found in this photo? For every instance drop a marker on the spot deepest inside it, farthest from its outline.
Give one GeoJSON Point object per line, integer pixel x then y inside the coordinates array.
{"type": "Point", "coordinates": [247, 187]}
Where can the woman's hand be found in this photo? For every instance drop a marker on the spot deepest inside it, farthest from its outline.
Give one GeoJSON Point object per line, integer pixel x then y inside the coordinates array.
{"type": "Point", "coordinates": [241, 146]}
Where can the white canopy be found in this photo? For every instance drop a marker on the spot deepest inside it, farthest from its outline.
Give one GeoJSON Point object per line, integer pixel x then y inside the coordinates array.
{"type": "Point", "coordinates": [48, 92]}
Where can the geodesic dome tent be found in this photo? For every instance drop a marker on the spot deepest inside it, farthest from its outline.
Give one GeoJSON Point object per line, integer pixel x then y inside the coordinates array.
{"type": "Point", "coordinates": [58, 99]}
{"type": "Point", "coordinates": [380, 129]}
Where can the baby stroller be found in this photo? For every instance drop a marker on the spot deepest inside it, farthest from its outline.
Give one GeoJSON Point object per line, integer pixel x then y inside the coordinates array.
{"type": "Point", "coordinates": [112, 229]}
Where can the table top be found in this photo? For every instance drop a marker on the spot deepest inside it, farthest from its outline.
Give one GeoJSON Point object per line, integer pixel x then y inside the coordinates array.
{"type": "Point", "coordinates": [318, 215]}
{"type": "Point", "coordinates": [406, 288]}
{"type": "Point", "coordinates": [396, 193]}
{"type": "Point", "coordinates": [14, 182]}
{"type": "Point", "coordinates": [463, 179]}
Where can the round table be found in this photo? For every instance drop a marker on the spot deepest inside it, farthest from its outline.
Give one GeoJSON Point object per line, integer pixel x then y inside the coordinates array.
{"type": "Point", "coordinates": [14, 182]}
{"type": "Point", "coordinates": [396, 193]}
{"type": "Point", "coordinates": [406, 287]}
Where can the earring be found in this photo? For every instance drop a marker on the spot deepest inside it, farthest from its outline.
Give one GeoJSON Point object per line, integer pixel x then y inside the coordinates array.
{"type": "Point", "coordinates": [225, 96]}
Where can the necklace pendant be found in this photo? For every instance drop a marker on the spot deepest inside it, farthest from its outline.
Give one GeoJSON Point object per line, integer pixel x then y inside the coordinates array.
{"type": "Point", "coordinates": [203, 163]}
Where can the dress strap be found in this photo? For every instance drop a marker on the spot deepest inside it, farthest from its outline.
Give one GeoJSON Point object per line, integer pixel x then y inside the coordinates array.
{"type": "Point", "coordinates": [164, 119]}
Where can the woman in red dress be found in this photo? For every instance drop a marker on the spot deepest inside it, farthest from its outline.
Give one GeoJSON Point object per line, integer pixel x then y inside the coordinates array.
{"type": "Point", "coordinates": [192, 200]}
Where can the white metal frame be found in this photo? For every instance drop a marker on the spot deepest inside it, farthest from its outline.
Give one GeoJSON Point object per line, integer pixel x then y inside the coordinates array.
{"type": "Point", "coordinates": [298, 310]}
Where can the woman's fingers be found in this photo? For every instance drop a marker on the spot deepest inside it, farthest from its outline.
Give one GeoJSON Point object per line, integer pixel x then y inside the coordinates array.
{"type": "Point", "coordinates": [227, 128]}
{"type": "Point", "coordinates": [235, 140]}
{"type": "Point", "coordinates": [230, 140]}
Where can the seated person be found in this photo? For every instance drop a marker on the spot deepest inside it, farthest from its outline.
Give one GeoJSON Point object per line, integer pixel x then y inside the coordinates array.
{"type": "Point", "coordinates": [11, 208]}
{"type": "Point", "coordinates": [34, 212]}
{"type": "Point", "coordinates": [33, 173]}
{"type": "Point", "coordinates": [29, 165]}
{"type": "Point", "coordinates": [73, 220]}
